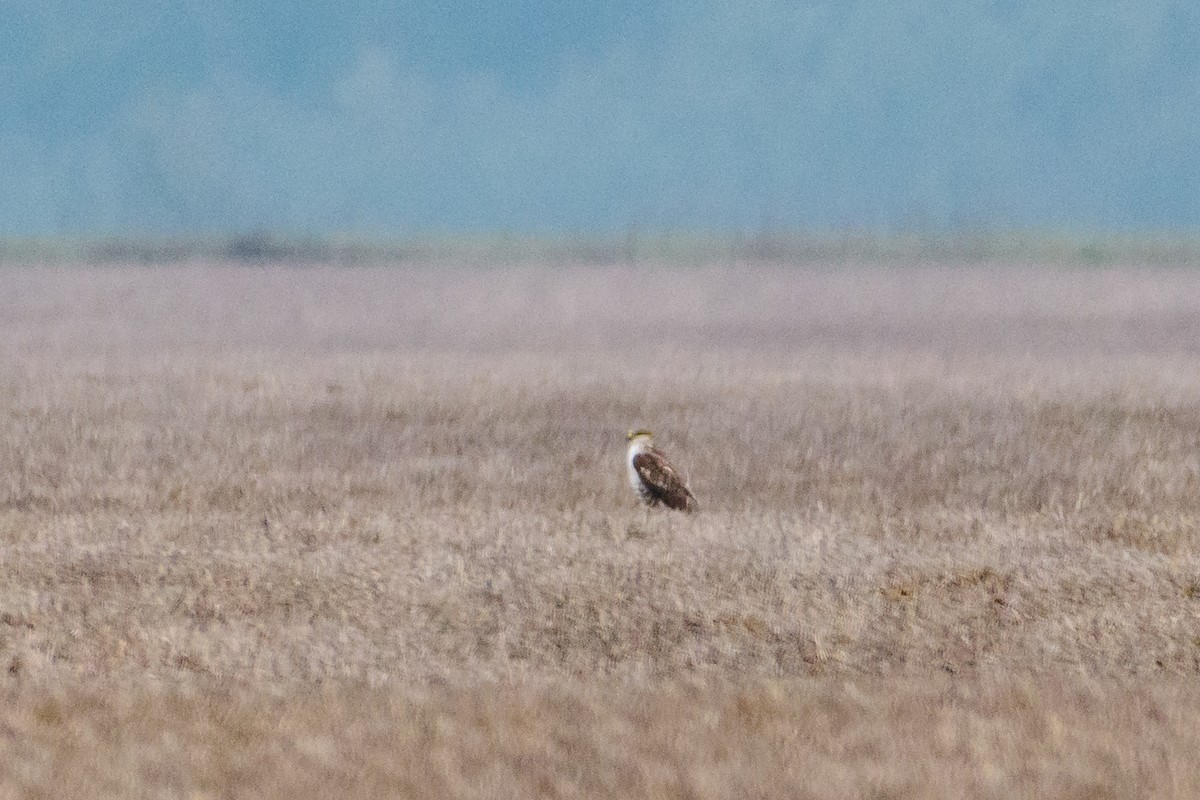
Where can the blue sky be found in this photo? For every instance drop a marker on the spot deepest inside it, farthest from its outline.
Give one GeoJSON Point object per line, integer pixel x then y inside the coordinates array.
{"type": "Point", "coordinates": [389, 118]}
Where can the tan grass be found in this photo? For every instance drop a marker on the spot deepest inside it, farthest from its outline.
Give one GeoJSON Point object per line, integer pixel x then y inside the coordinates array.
{"type": "Point", "coordinates": [303, 532]}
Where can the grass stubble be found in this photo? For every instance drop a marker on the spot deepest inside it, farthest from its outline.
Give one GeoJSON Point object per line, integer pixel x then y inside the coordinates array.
{"type": "Point", "coordinates": [283, 532]}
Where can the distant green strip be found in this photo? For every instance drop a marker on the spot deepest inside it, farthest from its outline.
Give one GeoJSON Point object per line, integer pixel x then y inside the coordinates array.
{"type": "Point", "coordinates": [634, 246]}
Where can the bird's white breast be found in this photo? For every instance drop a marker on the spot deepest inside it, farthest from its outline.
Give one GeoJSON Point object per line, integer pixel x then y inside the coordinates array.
{"type": "Point", "coordinates": [635, 448]}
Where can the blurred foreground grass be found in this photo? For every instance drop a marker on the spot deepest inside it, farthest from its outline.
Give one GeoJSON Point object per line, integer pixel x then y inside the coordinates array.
{"type": "Point", "coordinates": [357, 531]}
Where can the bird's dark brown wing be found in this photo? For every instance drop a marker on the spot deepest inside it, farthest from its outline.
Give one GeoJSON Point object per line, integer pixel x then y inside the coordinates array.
{"type": "Point", "coordinates": [662, 481]}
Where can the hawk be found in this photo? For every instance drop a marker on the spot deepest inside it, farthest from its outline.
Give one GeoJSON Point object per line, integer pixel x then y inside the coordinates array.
{"type": "Point", "coordinates": [653, 477]}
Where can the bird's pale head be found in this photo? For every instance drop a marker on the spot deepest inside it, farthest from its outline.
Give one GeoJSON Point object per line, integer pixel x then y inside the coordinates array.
{"type": "Point", "coordinates": [639, 434]}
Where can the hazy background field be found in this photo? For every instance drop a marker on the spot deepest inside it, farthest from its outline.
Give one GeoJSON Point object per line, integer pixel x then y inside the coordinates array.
{"type": "Point", "coordinates": [301, 531]}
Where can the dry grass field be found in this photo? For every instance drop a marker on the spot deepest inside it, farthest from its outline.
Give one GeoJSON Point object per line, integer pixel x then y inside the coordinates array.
{"type": "Point", "coordinates": [320, 532]}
